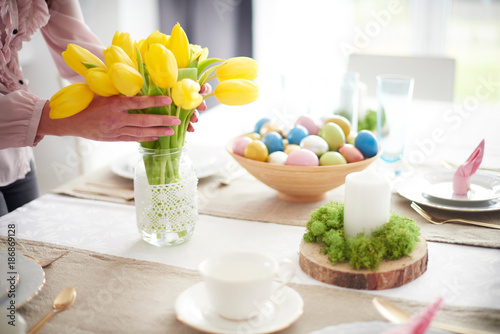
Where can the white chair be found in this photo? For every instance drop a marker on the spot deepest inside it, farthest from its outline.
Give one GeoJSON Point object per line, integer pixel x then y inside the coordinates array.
{"type": "Point", "coordinates": [434, 76]}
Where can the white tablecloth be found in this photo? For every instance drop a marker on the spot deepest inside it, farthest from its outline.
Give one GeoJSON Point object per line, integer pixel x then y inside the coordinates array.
{"type": "Point", "coordinates": [464, 275]}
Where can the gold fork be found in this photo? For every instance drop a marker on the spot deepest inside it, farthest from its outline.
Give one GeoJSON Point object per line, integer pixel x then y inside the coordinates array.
{"type": "Point", "coordinates": [46, 263]}
{"type": "Point", "coordinates": [437, 221]}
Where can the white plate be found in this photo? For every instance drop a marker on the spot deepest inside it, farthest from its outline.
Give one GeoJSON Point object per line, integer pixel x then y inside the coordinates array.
{"type": "Point", "coordinates": [419, 188]}
{"type": "Point", "coordinates": [370, 327]}
{"type": "Point", "coordinates": [193, 309]}
{"type": "Point", "coordinates": [31, 279]}
{"type": "Point", "coordinates": [207, 161]}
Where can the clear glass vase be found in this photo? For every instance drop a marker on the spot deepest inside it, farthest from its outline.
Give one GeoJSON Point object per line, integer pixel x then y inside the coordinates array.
{"type": "Point", "coordinates": [165, 196]}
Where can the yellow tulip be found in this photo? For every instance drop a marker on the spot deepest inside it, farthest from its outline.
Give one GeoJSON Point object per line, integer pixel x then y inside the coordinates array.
{"type": "Point", "coordinates": [179, 45]}
{"type": "Point", "coordinates": [236, 92]}
{"type": "Point", "coordinates": [197, 52]}
{"type": "Point", "coordinates": [115, 54]}
{"type": "Point", "coordinates": [75, 55]}
{"type": "Point", "coordinates": [70, 100]}
{"type": "Point", "coordinates": [162, 66]}
{"type": "Point", "coordinates": [126, 79]}
{"type": "Point", "coordinates": [100, 83]}
{"type": "Point", "coordinates": [124, 41]}
{"type": "Point", "coordinates": [154, 38]}
{"type": "Point", "coordinates": [185, 93]}
{"type": "Point", "coordinates": [238, 68]}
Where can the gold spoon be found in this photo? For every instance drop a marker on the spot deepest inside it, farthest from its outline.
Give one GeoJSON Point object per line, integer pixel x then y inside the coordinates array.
{"type": "Point", "coordinates": [63, 301]}
{"type": "Point", "coordinates": [396, 315]}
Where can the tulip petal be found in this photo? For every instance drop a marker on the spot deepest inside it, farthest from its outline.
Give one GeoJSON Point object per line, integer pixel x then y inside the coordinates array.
{"type": "Point", "coordinates": [161, 65]}
{"type": "Point", "coordinates": [126, 79]}
{"type": "Point", "coordinates": [100, 82]}
{"type": "Point", "coordinates": [70, 100]}
{"type": "Point", "coordinates": [179, 45]}
{"type": "Point", "coordinates": [75, 56]}
{"type": "Point", "coordinates": [236, 92]}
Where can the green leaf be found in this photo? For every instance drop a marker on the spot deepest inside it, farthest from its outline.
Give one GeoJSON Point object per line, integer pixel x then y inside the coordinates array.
{"type": "Point", "coordinates": [189, 73]}
{"type": "Point", "coordinates": [205, 74]}
{"type": "Point", "coordinates": [202, 65]}
{"type": "Point", "coordinates": [142, 71]}
{"type": "Point", "coordinates": [89, 65]}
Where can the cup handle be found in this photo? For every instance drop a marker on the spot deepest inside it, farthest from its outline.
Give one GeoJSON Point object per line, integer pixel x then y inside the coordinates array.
{"type": "Point", "coordinates": [288, 275]}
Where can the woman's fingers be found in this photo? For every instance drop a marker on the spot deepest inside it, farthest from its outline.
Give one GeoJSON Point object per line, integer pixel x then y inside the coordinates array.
{"type": "Point", "coordinates": [137, 102]}
{"type": "Point", "coordinates": [151, 120]}
{"type": "Point", "coordinates": [205, 89]}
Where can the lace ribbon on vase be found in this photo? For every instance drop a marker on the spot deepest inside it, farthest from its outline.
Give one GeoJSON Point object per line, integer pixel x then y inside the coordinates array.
{"type": "Point", "coordinates": [167, 207]}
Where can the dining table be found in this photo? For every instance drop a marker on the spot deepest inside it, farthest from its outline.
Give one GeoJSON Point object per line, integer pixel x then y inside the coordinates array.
{"type": "Point", "coordinates": [125, 285]}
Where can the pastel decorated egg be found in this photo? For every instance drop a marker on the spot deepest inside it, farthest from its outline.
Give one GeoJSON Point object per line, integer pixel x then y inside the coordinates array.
{"type": "Point", "coordinates": [259, 124]}
{"type": "Point", "coordinates": [269, 127]}
{"type": "Point", "coordinates": [240, 144]}
{"type": "Point", "coordinates": [278, 158]}
{"type": "Point", "coordinates": [273, 141]}
{"type": "Point", "coordinates": [341, 121]}
{"type": "Point", "coordinates": [290, 148]}
{"type": "Point", "coordinates": [351, 137]}
{"type": "Point", "coordinates": [302, 157]}
{"type": "Point", "coordinates": [256, 150]}
{"type": "Point", "coordinates": [315, 144]}
{"type": "Point", "coordinates": [332, 158]}
{"type": "Point", "coordinates": [309, 124]}
{"type": "Point", "coordinates": [296, 134]}
{"type": "Point", "coordinates": [332, 133]}
{"type": "Point", "coordinates": [366, 143]}
{"type": "Point", "coordinates": [254, 136]}
{"type": "Point", "coordinates": [351, 153]}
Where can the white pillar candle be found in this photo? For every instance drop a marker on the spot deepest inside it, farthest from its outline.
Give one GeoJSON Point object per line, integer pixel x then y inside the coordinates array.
{"type": "Point", "coordinates": [367, 202]}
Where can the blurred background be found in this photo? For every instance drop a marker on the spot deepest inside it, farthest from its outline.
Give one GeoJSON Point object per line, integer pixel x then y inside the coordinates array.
{"type": "Point", "coordinates": [302, 48]}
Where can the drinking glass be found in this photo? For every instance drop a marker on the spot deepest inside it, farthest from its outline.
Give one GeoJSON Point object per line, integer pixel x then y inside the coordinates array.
{"type": "Point", "coordinates": [394, 95]}
{"type": "Point", "coordinates": [348, 99]}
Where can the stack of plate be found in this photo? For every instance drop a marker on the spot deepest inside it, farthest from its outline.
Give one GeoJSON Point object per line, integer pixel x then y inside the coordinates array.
{"type": "Point", "coordinates": [435, 189]}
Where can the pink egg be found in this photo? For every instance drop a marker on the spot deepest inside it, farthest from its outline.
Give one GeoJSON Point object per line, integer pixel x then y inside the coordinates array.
{"type": "Point", "coordinates": [309, 124]}
{"type": "Point", "coordinates": [351, 153]}
{"type": "Point", "coordinates": [302, 157]}
{"type": "Point", "coordinates": [240, 144]}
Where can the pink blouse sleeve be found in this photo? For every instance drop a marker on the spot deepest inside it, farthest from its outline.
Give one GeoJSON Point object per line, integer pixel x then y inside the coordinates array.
{"type": "Point", "coordinates": [66, 26]}
{"type": "Point", "coordinates": [19, 128]}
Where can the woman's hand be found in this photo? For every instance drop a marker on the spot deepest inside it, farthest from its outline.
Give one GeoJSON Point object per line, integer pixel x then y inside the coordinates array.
{"type": "Point", "coordinates": [107, 119]}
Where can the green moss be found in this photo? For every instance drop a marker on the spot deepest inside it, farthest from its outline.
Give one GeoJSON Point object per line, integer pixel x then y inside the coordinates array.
{"type": "Point", "coordinates": [391, 241]}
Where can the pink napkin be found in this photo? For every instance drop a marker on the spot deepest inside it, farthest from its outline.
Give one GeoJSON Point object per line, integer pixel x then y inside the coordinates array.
{"type": "Point", "coordinates": [466, 170]}
{"type": "Point", "coordinates": [419, 322]}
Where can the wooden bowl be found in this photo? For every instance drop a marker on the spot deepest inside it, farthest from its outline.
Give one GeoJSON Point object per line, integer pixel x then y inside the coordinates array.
{"type": "Point", "coordinates": [299, 183]}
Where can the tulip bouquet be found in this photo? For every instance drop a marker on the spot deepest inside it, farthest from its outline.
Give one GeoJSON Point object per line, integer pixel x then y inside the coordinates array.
{"type": "Point", "coordinates": [158, 65]}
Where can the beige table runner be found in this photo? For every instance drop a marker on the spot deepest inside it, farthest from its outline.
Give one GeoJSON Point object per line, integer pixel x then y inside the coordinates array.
{"type": "Point", "coordinates": [120, 295]}
{"type": "Point", "coordinates": [248, 199]}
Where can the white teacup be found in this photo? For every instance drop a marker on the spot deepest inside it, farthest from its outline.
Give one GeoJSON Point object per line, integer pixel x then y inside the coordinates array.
{"type": "Point", "coordinates": [238, 282]}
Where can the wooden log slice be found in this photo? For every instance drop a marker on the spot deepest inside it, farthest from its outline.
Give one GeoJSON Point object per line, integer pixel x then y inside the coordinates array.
{"type": "Point", "coordinates": [390, 274]}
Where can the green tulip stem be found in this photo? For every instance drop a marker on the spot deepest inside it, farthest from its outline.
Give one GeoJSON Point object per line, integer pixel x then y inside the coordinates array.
{"type": "Point", "coordinates": [208, 95]}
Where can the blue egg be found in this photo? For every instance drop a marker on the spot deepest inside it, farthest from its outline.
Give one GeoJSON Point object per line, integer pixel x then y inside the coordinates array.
{"type": "Point", "coordinates": [296, 134]}
{"type": "Point", "coordinates": [273, 141]}
{"type": "Point", "coordinates": [366, 143]}
{"type": "Point", "coordinates": [259, 124]}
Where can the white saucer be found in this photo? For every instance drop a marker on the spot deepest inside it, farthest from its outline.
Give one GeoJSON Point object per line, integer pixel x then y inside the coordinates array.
{"type": "Point", "coordinates": [31, 279]}
{"type": "Point", "coordinates": [428, 189]}
{"type": "Point", "coordinates": [483, 187]}
{"type": "Point", "coordinates": [193, 309]}
{"type": "Point", "coordinates": [369, 327]}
